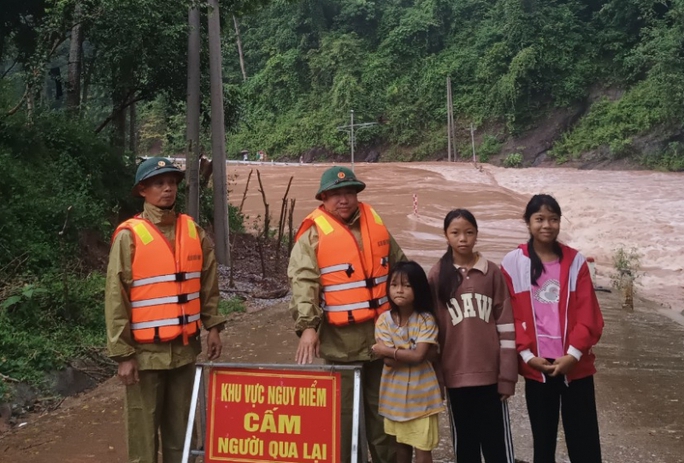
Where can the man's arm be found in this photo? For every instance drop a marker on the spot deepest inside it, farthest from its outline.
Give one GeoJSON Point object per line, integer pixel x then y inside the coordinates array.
{"type": "Point", "coordinates": [120, 342]}
{"type": "Point", "coordinates": [396, 254]}
{"type": "Point", "coordinates": [209, 290]}
{"type": "Point", "coordinates": [304, 276]}
{"type": "Point", "coordinates": [118, 308]}
{"type": "Point", "coordinates": [209, 297]}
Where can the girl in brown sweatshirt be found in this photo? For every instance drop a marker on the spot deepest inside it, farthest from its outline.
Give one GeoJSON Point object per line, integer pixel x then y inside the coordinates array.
{"type": "Point", "coordinates": [478, 361]}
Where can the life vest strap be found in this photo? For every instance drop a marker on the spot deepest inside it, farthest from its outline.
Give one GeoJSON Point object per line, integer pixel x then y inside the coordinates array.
{"type": "Point", "coordinates": [182, 320]}
{"type": "Point", "coordinates": [181, 276]}
{"type": "Point", "coordinates": [348, 268]}
{"type": "Point", "coordinates": [367, 283]}
{"type": "Point", "coordinates": [180, 299]}
{"type": "Point", "coordinates": [372, 304]}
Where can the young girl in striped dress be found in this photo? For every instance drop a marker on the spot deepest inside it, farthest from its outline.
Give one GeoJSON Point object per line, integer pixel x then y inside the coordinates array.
{"type": "Point", "coordinates": [406, 336]}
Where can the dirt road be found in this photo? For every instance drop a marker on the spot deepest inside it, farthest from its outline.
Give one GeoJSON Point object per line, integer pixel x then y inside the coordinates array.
{"type": "Point", "coordinates": [641, 410]}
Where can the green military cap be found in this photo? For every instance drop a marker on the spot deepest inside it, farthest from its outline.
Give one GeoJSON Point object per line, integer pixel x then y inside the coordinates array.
{"type": "Point", "coordinates": [155, 166]}
{"type": "Point", "coordinates": [339, 177]}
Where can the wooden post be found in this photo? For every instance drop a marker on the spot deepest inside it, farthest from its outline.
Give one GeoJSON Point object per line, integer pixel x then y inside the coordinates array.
{"type": "Point", "coordinates": [267, 219]}
{"type": "Point", "coordinates": [281, 222]}
{"type": "Point", "coordinates": [290, 241]}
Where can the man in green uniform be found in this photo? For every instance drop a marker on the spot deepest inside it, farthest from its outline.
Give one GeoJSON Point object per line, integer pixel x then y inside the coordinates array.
{"type": "Point", "coordinates": [158, 375]}
{"type": "Point", "coordinates": [350, 344]}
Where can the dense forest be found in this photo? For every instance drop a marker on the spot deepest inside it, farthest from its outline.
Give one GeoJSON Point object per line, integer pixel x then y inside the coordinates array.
{"type": "Point", "coordinates": [88, 85]}
{"type": "Point", "coordinates": [611, 72]}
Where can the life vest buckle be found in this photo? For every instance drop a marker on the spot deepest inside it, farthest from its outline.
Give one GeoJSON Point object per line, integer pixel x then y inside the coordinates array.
{"type": "Point", "coordinates": [349, 271]}
{"type": "Point", "coordinates": [182, 298]}
{"type": "Point", "coordinates": [183, 320]}
{"type": "Point", "coordinates": [374, 304]}
{"type": "Point", "coordinates": [180, 276]}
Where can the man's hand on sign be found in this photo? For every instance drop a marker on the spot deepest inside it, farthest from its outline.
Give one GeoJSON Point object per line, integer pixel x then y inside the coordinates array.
{"type": "Point", "coordinates": [128, 372]}
{"type": "Point", "coordinates": [308, 347]}
{"type": "Point", "coordinates": [214, 345]}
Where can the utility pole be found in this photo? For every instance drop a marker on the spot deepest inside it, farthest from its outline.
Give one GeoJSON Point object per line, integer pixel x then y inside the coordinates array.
{"type": "Point", "coordinates": [218, 137]}
{"type": "Point", "coordinates": [351, 139]}
{"type": "Point", "coordinates": [350, 128]}
{"type": "Point", "coordinates": [472, 139]}
{"type": "Point", "coordinates": [193, 114]}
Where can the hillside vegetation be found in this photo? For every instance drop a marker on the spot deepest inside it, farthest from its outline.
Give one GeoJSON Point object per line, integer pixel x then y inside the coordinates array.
{"type": "Point", "coordinates": [617, 67]}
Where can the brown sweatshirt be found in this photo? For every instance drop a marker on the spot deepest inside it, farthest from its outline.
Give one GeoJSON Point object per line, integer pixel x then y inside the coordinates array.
{"type": "Point", "coordinates": [476, 330]}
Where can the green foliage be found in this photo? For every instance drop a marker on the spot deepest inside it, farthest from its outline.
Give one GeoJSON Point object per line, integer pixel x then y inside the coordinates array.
{"type": "Point", "coordinates": [490, 146]}
{"type": "Point", "coordinates": [513, 160]}
{"type": "Point", "coordinates": [626, 265]}
{"type": "Point", "coordinates": [46, 323]}
{"type": "Point", "coordinates": [48, 167]}
{"type": "Point", "coordinates": [232, 305]}
{"type": "Point", "coordinates": [670, 159]}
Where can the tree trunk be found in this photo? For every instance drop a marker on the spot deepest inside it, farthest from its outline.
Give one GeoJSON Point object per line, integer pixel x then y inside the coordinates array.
{"type": "Point", "coordinates": [193, 114]}
{"type": "Point", "coordinates": [87, 75]}
{"type": "Point", "coordinates": [132, 131]}
{"type": "Point", "coordinates": [118, 136]}
{"type": "Point", "coordinates": [239, 46]}
{"type": "Point", "coordinates": [218, 138]}
{"type": "Point", "coordinates": [74, 69]}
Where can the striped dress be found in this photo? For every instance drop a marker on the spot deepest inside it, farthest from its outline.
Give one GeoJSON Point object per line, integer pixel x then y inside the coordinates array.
{"type": "Point", "coordinates": [408, 392]}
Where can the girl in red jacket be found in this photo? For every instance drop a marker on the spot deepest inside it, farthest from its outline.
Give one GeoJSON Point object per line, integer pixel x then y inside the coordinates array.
{"type": "Point", "coordinates": [557, 322]}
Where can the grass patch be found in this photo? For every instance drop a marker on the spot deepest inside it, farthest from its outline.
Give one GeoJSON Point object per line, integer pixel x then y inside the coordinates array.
{"type": "Point", "coordinates": [232, 305]}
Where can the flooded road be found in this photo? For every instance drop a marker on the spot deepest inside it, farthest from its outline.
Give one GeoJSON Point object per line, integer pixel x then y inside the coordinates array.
{"type": "Point", "coordinates": [602, 210]}
{"type": "Point", "coordinates": [641, 356]}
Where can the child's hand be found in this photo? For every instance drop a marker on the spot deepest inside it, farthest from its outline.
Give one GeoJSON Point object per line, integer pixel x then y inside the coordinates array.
{"type": "Point", "coordinates": [561, 366]}
{"type": "Point", "coordinates": [390, 362]}
{"type": "Point", "coordinates": [541, 364]}
{"type": "Point", "coordinates": [381, 350]}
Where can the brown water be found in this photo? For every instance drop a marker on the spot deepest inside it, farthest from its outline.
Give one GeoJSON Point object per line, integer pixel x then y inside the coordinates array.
{"type": "Point", "coordinates": [602, 210]}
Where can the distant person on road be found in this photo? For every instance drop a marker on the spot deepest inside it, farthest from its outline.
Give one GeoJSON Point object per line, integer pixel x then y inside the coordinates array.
{"type": "Point", "coordinates": [338, 271]}
{"type": "Point", "coordinates": [477, 339]}
{"type": "Point", "coordinates": [162, 287]}
{"type": "Point", "coordinates": [557, 322]}
{"type": "Point", "coordinates": [410, 397]}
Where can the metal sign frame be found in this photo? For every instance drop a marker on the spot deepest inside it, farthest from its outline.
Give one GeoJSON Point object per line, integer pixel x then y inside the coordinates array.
{"type": "Point", "coordinates": [199, 386]}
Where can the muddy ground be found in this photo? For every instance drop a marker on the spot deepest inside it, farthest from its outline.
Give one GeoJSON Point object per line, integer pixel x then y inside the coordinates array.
{"type": "Point", "coordinates": [641, 409]}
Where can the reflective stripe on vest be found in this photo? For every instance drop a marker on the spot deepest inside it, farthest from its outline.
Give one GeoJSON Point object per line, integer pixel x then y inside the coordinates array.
{"type": "Point", "coordinates": [359, 305]}
{"type": "Point", "coordinates": [165, 292]}
{"type": "Point", "coordinates": [164, 278]}
{"type": "Point", "coordinates": [358, 284]}
{"type": "Point", "coordinates": [353, 283]}
{"type": "Point", "coordinates": [180, 299]}
{"type": "Point", "coordinates": [167, 322]}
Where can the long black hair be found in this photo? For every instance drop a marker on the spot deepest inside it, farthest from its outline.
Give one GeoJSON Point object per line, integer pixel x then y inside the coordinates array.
{"type": "Point", "coordinates": [534, 206]}
{"type": "Point", "coordinates": [416, 277]}
{"type": "Point", "coordinates": [449, 277]}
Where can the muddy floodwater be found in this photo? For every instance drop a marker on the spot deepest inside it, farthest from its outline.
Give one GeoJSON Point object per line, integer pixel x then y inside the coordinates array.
{"type": "Point", "coordinates": [602, 211]}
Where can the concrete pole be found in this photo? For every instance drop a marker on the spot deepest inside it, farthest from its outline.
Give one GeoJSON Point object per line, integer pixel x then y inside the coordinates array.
{"type": "Point", "coordinates": [218, 136]}
{"type": "Point", "coordinates": [352, 139]}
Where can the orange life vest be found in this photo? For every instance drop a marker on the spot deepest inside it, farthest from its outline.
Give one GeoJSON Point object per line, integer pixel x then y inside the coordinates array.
{"type": "Point", "coordinates": [353, 282]}
{"type": "Point", "coordinates": [165, 293]}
